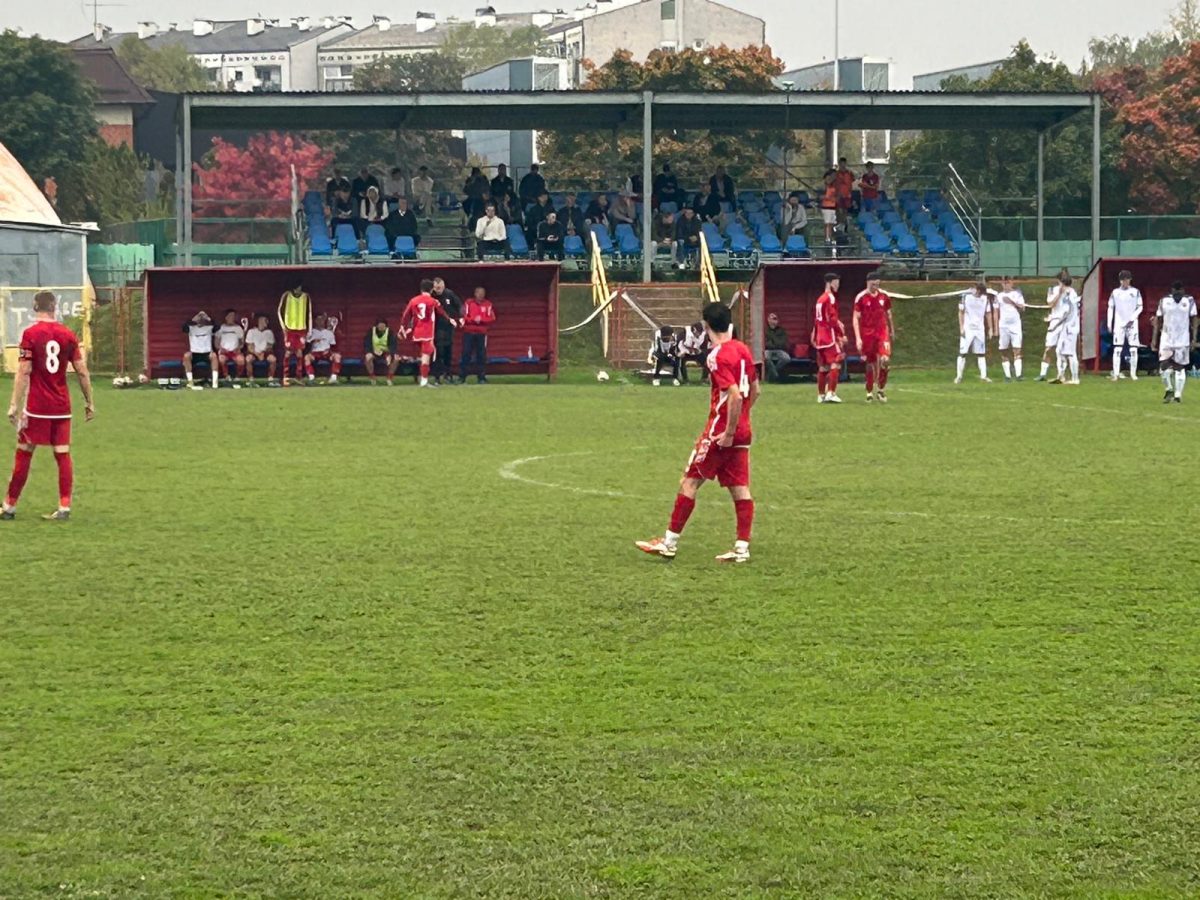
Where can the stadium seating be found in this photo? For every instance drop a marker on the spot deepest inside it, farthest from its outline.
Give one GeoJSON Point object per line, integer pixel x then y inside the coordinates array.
{"type": "Point", "coordinates": [517, 243]}
{"type": "Point", "coordinates": [377, 242]}
{"type": "Point", "coordinates": [768, 243]}
{"type": "Point", "coordinates": [628, 244]}
{"type": "Point", "coordinates": [405, 248]}
{"type": "Point", "coordinates": [880, 243]}
{"type": "Point", "coordinates": [740, 244]}
{"type": "Point", "coordinates": [573, 246]}
{"type": "Point", "coordinates": [935, 244]}
{"type": "Point", "coordinates": [907, 244]}
{"type": "Point", "coordinates": [347, 242]}
{"type": "Point", "coordinates": [961, 244]}
{"type": "Point", "coordinates": [603, 240]}
{"type": "Point", "coordinates": [796, 247]}
{"type": "Point", "coordinates": [716, 243]}
{"type": "Point", "coordinates": [319, 244]}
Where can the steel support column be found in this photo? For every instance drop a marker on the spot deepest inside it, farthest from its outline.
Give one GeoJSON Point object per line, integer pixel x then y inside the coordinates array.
{"type": "Point", "coordinates": [648, 249]}
{"type": "Point", "coordinates": [1041, 203]}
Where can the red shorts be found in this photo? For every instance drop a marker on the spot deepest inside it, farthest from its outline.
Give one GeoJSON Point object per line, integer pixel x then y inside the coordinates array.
{"type": "Point", "coordinates": [319, 355]}
{"type": "Point", "coordinates": [730, 466]}
{"type": "Point", "coordinates": [829, 356]}
{"type": "Point", "coordinates": [426, 348]}
{"type": "Point", "coordinates": [229, 355]}
{"type": "Point", "coordinates": [294, 340]}
{"type": "Point", "coordinates": [45, 432]}
{"type": "Point", "coordinates": [875, 346]}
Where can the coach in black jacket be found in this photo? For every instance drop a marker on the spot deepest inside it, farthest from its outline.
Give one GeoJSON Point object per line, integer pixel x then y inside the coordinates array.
{"type": "Point", "coordinates": [443, 335]}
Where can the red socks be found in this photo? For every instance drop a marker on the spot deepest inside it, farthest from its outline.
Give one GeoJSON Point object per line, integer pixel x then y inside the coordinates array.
{"type": "Point", "coordinates": [335, 366]}
{"type": "Point", "coordinates": [745, 518]}
{"type": "Point", "coordinates": [424, 370]}
{"type": "Point", "coordinates": [66, 479]}
{"type": "Point", "coordinates": [883, 373]}
{"type": "Point", "coordinates": [871, 379]}
{"type": "Point", "coordinates": [20, 474]}
{"type": "Point", "coordinates": [833, 377]}
{"type": "Point", "coordinates": [681, 512]}
{"type": "Point", "coordinates": [821, 383]}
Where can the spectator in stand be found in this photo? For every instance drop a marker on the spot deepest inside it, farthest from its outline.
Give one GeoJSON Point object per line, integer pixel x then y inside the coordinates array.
{"type": "Point", "coordinates": [694, 348]}
{"type": "Point", "coordinates": [358, 188]}
{"type": "Point", "coordinates": [422, 194]}
{"type": "Point", "coordinates": [869, 186]}
{"type": "Point", "coordinates": [550, 237]}
{"type": "Point", "coordinates": [624, 211]}
{"type": "Point", "coordinates": [664, 233]}
{"type": "Point", "coordinates": [533, 185]}
{"type": "Point", "coordinates": [536, 216]}
{"type": "Point", "coordinates": [778, 351]}
{"type": "Point", "coordinates": [665, 352]}
{"type": "Point", "coordinates": [443, 333]}
{"type": "Point", "coordinates": [633, 186]}
{"type": "Point", "coordinates": [597, 211]}
{"type": "Point", "coordinates": [332, 184]}
{"type": "Point", "coordinates": [687, 236]}
{"type": "Point", "coordinates": [503, 210]}
{"type": "Point", "coordinates": [844, 179]}
{"type": "Point", "coordinates": [571, 215]}
{"type": "Point", "coordinates": [829, 205]}
{"type": "Point", "coordinates": [343, 212]}
{"type": "Point", "coordinates": [475, 192]}
{"type": "Point", "coordinates": [490, 234]}
{"type": "Point", "coordinates": [723, 187]}
{"type": "Point", "coordinates": [393, 186]}
{"type": "Point", "coordinates": [706, 204]}
{"type": "Point", "coordinates": [502, 185]}
{"type": "Point", "coordinates": [372, 210]}
{"type": "Point", "coordinates": [403, 223]}
{"type": "Point", "coordinates": [793, 217]}
{"type": "Point", "coordinates": [666, 187]}
{"type": "Point", "coordinates": [478, 317]}
{"type": "Point", "coordinates": [380, 346]}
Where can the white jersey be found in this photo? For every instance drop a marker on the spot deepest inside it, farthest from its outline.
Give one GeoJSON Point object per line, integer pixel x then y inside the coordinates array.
{"type": "Point", "coordinates": [1011, 304]}
{"type": "Point", "coordinates": [1175, 318]}
{"type": "Point", "coordinates": [200, 338]}
{"type": "Point", "coordinates": [974, 308]}
{"type": "Point", "coordinates": [321, 339]}
{"type": "Point", "coordinates": [260, 340]}
{"type": "Point", "coordinates": [1064, 316]}
{"type": "Point", "coordinates": [1124, 306]}
{"type": "Point", "coordinates": [230, 337]}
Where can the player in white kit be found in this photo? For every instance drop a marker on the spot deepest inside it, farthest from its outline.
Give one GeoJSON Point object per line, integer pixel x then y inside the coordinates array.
{"type": "Point", "coordinates": [1064, 319]}
{"type": "Point", "coordinates": [974, 319]}
{"type": "Point", "coordinates": [1052, 327]}
{"type": "Point", "coordinates": [1007, 308]}
{"type": "Point", "coordinates": [1175, 327]}
{"type": "Point", "coordinates": [1124, 309]}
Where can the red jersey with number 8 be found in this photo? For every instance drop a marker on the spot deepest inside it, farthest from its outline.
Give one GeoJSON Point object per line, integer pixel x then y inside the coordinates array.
{"type": "Point", "coordinates": [730, 365]}
{"type": "Point", "coordinates": [50, 347]}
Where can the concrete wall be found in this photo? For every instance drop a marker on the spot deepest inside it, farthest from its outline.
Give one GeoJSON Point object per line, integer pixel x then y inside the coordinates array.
{"type": "Point", "coordinates": [641, 28]}
{"type": "Point", "coordinates": [304, 74]}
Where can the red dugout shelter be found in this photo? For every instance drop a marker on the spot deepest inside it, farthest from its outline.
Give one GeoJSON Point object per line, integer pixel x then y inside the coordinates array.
{"type": "Point", "coordinates": [1153, 277]}
{"type": "Point", "coordinates": [525, 296]}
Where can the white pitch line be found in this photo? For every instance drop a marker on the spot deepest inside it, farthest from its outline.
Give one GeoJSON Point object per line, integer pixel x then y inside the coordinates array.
{"type": "Point", "coordinates": [509, 471]}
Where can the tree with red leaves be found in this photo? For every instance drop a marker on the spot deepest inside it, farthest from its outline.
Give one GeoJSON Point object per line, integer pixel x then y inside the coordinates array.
{"type": "Point", "coordinates": [260, 176]}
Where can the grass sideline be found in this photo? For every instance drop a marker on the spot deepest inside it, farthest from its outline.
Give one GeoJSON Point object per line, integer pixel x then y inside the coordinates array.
{"type": "Point", "coordinates": [397, 643]}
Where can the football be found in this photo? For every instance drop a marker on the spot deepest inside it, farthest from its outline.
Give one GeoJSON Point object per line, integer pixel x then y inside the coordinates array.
{"type": "Point", "coordinates": [602, 376]}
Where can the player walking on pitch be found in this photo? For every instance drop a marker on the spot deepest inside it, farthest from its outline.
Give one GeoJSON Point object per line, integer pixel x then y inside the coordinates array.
{"type": "Point", "coordinates": [1007, 307]}
{"type": "Point", "coordinates": [41, 403]}
{"type": "Point", "coordinates": [422, 311]}
{"type": "Point", "coordinates": [1124, 310]}
{"type": "Point", "coordinates": [873, 330]}
{"type": "Point", "coordinates": [1175, 327]}
{"type": "Point", "coordinates": [974, 316]}
{"type": "Point", "coordinates": [723, 450]}
{"type": "Point", "coordinates": [829, 337]}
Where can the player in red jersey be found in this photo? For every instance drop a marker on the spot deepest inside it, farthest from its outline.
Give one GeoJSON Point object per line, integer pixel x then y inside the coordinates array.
{"type": "Point", "coordinates": [723, 450]}
{"type": "Point", "coordinates": [873, 330]}
{"type": "Point", "coordinates": [829, 337]}
{"type": "Point", "coordinates": [421, 311]}
{"type": "Point", "coordinates": [41, 404]}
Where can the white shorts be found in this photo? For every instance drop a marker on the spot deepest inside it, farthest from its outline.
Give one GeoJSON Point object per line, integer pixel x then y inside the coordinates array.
{"type": "Point", "coordinates": [829, 216]}
{"type": "Point", "coordinates": [1010, 337]}
{"type": "Point", "coordinates": [1068, 344]}
{"type": "Point", "coordinates": [972, 342]}
{"type": "Point", "coordinates": [1181, 356]}
{"type": "Point", "coordinates": [1126, 333]}
{"type": "Point", "coordinates": [1052, 336]}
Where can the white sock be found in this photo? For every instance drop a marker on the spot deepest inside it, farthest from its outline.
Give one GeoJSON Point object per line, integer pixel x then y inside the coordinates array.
{"type": "Point", "coordinates": [189, 377]}
{"type": "Point", "coordinates": [1045, 369]}
{"type": "Point", "coordinates": [1180, 381]}
{"type": "Point", "coordinates": [1166, 377]}
{"type": "Point", "coordinates": [214, 379]}
{"type": "Point", "coordinates": [1133, 361]}
{"type": "Point", "coordinates": [1074, 368]}
{"type": "Point", "coordinates": [424, 381]}
{"type": "Point", "coordinates": [741, 546]}
{"type": "Point", "coordinates": [1007, 367]}
{"type": "Point", "coordinates": [962, 365]}
{"type": "Point", "coordinates": [670, 538]}
{"type": "Point", "coordinates": [1017, 367]}
{"type": "Point", "coordinates": [982, 366]}
{"type": "Point", "coordinates": [1116, 366]}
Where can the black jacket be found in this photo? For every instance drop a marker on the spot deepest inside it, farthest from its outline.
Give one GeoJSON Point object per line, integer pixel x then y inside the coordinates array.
{"type": "Point", "coordinates": [571, 216]}
{"type": "Point", "coordinates": [687, 228]}
{"type": "Point", "coordinates": [532, 186]}
{"type": "Point", "coordinates": [706, 207]}
{"type": "Point", "coordinates": [403, 223]}
{"type": "Point", "coordinates": [453, 306]}
{"type": "Point", "coordinates": [546, 230]}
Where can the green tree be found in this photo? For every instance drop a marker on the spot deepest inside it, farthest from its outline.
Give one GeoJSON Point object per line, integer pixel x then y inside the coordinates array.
{"type": "Point", "coordinates": [407, 74]}
{"type": "Point", "coordinates": [167, 68]}
{"type": "Point", "coordinates": [1115, 52]}
{"type": "Point", "coordinates": [47, 117]}
{"type": "Point", "coordinates": [112, 184]}
{"type": "Point", "coordinates": [482, 48]}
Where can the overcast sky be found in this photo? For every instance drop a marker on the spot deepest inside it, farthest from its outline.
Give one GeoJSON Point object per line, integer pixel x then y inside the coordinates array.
{"type": "Point", "coordinates": [918, 35]}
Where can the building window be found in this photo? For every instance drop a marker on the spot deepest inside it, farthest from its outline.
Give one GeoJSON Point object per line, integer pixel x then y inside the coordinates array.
{"type": "Point", "coordinates": [268, 78]}
{"type": "Point", "coordinates": [668, 10]}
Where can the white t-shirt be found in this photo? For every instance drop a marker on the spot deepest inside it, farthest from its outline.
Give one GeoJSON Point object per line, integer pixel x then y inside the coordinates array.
{"type": "Point", "coordinates": [1175, 316]}
{"type": "Point", "coordinates": [230, 337]}
{"type": "Point", "coordinates": [1124, 305]}
{"type": "Point", "coordinates": [321, 339]}
{"type": "Point", "coordinates": [260, 340]}
{"type": "Point", "coordinates": [200, 338]}
{"type": "Point", "coordinates": [975, 308]}
{"type": "Point", "coordinates": [1065, 314]}
{"type": "Point", "coordinates": [1011, 303]}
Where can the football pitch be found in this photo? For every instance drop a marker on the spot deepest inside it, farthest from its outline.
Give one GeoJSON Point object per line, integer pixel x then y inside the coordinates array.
{"type": "Point", "coordinates": [356, 642]}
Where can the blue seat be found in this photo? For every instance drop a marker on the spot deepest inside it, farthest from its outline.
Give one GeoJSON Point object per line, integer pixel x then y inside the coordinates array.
{"type": "Point", "coordinates": [668, 206]}
{"type": "Point", "coordinates": [772, 197]}
{"type": "Point", "coordinates": [716, 243]}
{"type": "Point", "coordinates": [769, 243]}
{"type": "Point", "coordinates": [726, 207]}
{"type": "Point", "coordinates": [919, 218]}
{"type": "Point", "coordinates": [880, 242]}
{"type": "Point", "coordinates": [623, 229]}
{"type": "Point", "coordinates": [796, 246]}
{"type": "Point", "coordinates": [933, 195]}
{"type": "Point", "coordinates": [884, 204]}
{"type": "Point", "coordinates": [406, 248]}
{"type": "Point", "coordinates": [961, 244]}
{"type": "Point", "coordinates": [947, 218]}
{"type": "Point", "coordinates": [602, 238]}
{"type": "Point", "coordinates": [734, 228]}
{"type": "Point", "coordinates": [347, 243]}
{"type": "Point", "coordinates": [745, 197]}
{"type": "Point", "coordinates": [874, 228]}
{"type": "Point", "coordinates": [890, 217]}
{"type": "Point", "coordinates": [928, 230]}
{"type": "Point", "coordinates": [935, 244]}
{"type": "Point", "coordinates": [320, 244]}
{"type": "Point", "coordinates": [517, 243]}
{"type": "Point", "coordinates": [898, 230]}
{"type": "Point", "coordinates": [740, 243]}
{"type": "Point", "coordinates": [377, 242]}
{"type": "Point", "coordinates": [573, 246]}
{"type": "Point", "coordinates": [751, 206]}
{"type": "Point", "coordinates": [758, 218]}
{"type": "Point", "coordinates": [907, 244]}
{"type": "Point", "coordinates": [628, 244]}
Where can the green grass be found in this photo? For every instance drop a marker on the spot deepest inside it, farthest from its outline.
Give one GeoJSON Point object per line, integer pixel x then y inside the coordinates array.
{"type": "Point", "coordinates": [312, 644]}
